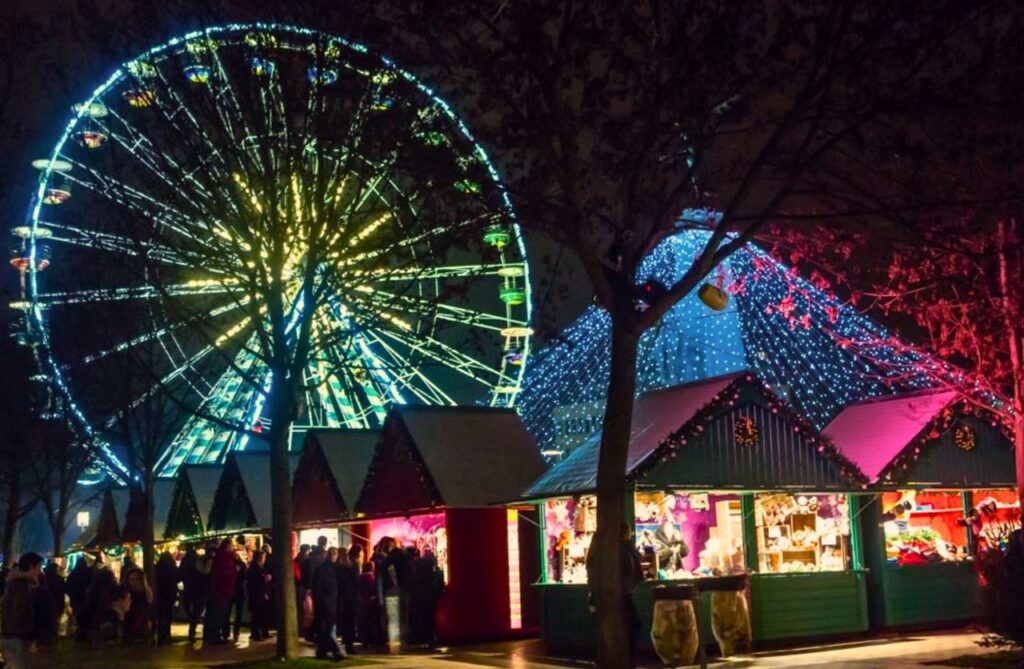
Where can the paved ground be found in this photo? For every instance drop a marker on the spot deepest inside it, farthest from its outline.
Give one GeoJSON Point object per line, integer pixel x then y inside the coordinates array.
{"type": "Point", "coordinates": [893, 653]}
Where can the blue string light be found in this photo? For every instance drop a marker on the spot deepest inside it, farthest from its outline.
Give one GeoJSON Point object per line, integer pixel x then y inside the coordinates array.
{"type": "Point", "coordinates": [797, 349]}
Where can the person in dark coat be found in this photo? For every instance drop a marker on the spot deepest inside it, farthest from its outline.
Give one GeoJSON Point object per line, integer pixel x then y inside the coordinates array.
{"type": "Point", "coordinates": [222, 591]}
{"type": "Point", "coordinates": [167, 579]}
{"type": "Point", "coordinates": [109, 623]}
{"type": "Point", "coordinates": [258, 588]}
{"type": "Point", "coordinates": [368, 625]}
{"type": "Point", "coordinates": [138, 620]}
{"type": "Point", "coordinates": [23, 612]}
{"type": "Point", "coordinates": [195, 579]}
{"type": "Point", "coordinates": [97, 599]}
{"type": "Point", "coordinates": [237, 603]}
{"type": "Point", "coordinates": [325, 603]}
{"type": "Point", "coordinates": [300, 565]}
{"type": "Point", "coordinates": [348, 600]}
{"type": "Point", "coordinates": [395, 580]}
{"type": "Point", "coordinates": [427, 588]}
{"type": "Point", "coordinates": [77, 586]}
{"type": "Point", "coordinates": [56, 587]}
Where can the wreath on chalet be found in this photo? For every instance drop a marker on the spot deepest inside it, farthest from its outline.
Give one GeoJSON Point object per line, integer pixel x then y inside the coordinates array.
{"type": "Point", "coordinates": [745, 432]}
{"type": "Point", "coordinates": [964, 438]}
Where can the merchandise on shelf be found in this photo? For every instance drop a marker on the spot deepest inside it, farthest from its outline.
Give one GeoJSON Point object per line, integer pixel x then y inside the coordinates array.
{"type": "Point", "coordinates": [570, 524]}
{"type": "Point", "coordinates": [681, 535]}
{"type": "Point", "coordinates": [924, 526]}
{"type": "Point", "coordinates": [802, 532]}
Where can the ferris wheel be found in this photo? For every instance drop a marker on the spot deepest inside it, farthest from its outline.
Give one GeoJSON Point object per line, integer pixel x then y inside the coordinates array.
{"type": "Point", "coordinates": [197, 141]}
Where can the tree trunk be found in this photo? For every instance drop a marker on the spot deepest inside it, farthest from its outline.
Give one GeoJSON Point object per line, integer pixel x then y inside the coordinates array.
{"type": "Point", "coordinates": [285, 609]}
{"type": "Point", "coordinates": [1009, 298]}
{"type": "Point", "coordinates": [605, 578]}
{"type": "Point", "coordinates": [148, 548]}
{"type": "Point", "coordinates": [12, 515]}
{"type": "Point", "coordinates": [59, 527]}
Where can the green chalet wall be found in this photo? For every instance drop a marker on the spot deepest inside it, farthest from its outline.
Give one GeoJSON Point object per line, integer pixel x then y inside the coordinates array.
{"type": "Point", "coordinates": [786, 455]}
{"type": "Point", "coordinates": [702, 454]}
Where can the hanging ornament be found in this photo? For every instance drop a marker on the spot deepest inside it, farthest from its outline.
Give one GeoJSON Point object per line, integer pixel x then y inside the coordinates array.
{"type": "Point", "coordinates": [964, 438]}
{"type": "Point", "coordinates": [745, 433]}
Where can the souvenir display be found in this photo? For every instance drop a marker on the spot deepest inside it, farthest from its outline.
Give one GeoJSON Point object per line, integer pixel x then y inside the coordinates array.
{"type": "Point", "coordinates": [925, 526]}
{"type": "Point", "coordinates": [681, 535]}
{"type": "Point", "coordinates": [570, 524]}
{"type": "Point", "coordinates": [803, 532]}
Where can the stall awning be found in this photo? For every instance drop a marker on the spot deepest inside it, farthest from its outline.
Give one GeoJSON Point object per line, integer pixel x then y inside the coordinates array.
{"type": "Point", "coordinates": [192, 500]}
{"type": "Point", "coordinates": [449, 456]}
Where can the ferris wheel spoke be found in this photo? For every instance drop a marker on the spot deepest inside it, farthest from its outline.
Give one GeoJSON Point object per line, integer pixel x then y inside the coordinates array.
{"type": "Point", "coordinates": [151, 336]}
{"type": "Point", "coordinates": [449, 356]}
{"type": "Point", "coordinates": [405, 373]}
{"type": "Point", "coordinates": [105, 241]}
{"type": "Point", "coordinates": [436, 273]}
{"type": "Point", "coordinates": [442, 311]}
{"type": "Point", "coordinates": [127, 196]}
{"type": "Point", "coordinates": [158, 163]}
{"type": "Point", "coordinates": [345, 260]}
{"type": "Point", "coordinates": [92, 295]}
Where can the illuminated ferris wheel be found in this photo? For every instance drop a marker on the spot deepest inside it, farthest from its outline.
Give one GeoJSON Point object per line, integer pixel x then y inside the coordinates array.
{"type": "Point", "coordinates": [198, 141]}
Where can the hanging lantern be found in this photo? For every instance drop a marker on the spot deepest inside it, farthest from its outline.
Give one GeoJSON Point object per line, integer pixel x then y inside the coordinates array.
{"type": "Point", "coordinates": [713, 297]}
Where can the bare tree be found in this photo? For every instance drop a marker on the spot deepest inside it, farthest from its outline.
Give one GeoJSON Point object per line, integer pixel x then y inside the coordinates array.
{"type": "Point", "coordinates": [58, 460]}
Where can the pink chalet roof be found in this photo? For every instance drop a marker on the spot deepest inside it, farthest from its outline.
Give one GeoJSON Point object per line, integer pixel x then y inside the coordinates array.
{"type": "Point", "coordinates": [656, 415]}
{"type": "Point", "coordinates": [872, 433]}
{"type": "Point", "coordinates": [659, 413]}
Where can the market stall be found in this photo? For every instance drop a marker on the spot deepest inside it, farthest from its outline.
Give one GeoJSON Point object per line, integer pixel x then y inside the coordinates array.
{"type": "Point", "coordinates": [726, 479]}
{"type": "Point", "coordinates": [242, 502]}
{"type": "Point", "coordinates": [192, 501]}
{"type": "Point", "coordinates": [113, 513]}
{"type": "Point", "coordinates": [435, 475]}
{"type": "Point", "coordinates": [942, 478]}
{"type": "Point", "coordinates": [327, 484]}
{"type": "Point", "coordinates": [134, 526]}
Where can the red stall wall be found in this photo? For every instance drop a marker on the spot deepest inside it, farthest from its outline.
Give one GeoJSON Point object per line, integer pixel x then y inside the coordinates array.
{"type": "Point", "coordinates": [475, 604]}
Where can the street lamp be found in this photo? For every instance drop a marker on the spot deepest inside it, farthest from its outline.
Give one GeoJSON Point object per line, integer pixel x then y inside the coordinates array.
{"type": "Point", "coordinates": [82, 520]}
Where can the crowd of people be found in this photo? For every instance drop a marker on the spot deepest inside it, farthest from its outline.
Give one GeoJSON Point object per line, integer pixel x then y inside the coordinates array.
{"type": "Point", "coordinates": [349, 594]}
{"type": "Point", "coordinates": [344, 597]}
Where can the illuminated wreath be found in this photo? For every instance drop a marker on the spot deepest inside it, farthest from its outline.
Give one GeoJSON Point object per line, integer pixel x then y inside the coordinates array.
{"type": "Point", "coordinates": [964, 438]}
{"type": "Point", "coordinates": [744, 432]}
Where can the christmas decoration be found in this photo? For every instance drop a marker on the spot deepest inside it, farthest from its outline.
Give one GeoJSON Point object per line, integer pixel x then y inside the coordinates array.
{"type": "Point", "coordinates": [725, 400]}
{"type": "Point", "coordinates": [964, 438]}
{"type": "Point", "coordinates": [778, 324]}
{"type": "Point", "coordinates": [745, 433]}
